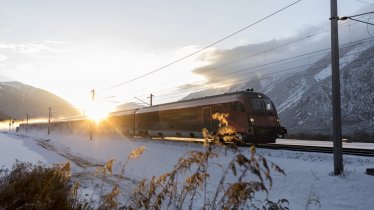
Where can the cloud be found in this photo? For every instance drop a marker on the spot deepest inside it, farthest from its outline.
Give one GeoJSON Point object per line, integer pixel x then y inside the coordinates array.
{"type": "Point", "coordinates": [54, 42]}
{"type": "Point", "coordinates": [32, 48]}
{"type": "Point", "coordinates": [3, 58]}
{"type": "Point", "coordinates": [286, 55]}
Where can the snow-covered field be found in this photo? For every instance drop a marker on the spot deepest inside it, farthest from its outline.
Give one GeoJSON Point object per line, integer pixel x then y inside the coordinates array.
{"type": "Point", "coordinates": [308, 174]}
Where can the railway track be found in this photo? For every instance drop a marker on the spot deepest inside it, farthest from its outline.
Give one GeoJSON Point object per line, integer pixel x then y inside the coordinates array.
{"type": "Point", "coordinates": [302, 148]}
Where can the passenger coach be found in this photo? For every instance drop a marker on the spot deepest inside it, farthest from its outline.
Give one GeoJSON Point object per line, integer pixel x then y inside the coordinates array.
{"type": "Point", "coordinates": [252, 114]}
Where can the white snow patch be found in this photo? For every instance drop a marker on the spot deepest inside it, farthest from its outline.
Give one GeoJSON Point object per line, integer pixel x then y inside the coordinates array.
{"type": "Point", "coordinates": [12, 149]}
{"type": "Point", "coordinates": [323, 74]}
{"type": "Point", "coordinates": [343, 61]}
{"type": "Point", "coordinates": [293, 98]}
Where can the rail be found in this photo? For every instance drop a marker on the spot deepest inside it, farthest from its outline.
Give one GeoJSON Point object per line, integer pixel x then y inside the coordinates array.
{"type": "Point", "coordinates": [302, 148]}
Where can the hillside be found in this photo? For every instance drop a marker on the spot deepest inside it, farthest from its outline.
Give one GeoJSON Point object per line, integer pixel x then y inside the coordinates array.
{"type": "Point", "coordinates": [303, 99]}
{"type": "Point", "coordinates": [17, 100]}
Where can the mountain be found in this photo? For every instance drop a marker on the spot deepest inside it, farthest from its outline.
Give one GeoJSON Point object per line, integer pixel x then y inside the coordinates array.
{"type": "Point", "coordinates": [17, 100]}
{"type": "Point", "coordinates": [303, 99]}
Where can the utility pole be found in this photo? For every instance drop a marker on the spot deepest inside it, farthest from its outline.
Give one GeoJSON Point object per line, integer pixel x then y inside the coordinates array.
{"type": "Point", "coordinates": [335, 76]}
{"type": "Point", "coordinates": [91, 123]}
{"type": "Point", "coordinates": [93, 95]}
{"type": "Point", "coordinates": [151, 99]}
{"type": "Point", "coordinates": [10, 123]}
{"type": "Point", "coordinates": [27, 121]}
{"type": "Point", "coordinates": [49, 120]}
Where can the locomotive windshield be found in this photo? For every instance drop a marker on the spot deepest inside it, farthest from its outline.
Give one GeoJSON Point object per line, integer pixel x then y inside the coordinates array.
{"type": "Point", "coordinates": [262, 106]}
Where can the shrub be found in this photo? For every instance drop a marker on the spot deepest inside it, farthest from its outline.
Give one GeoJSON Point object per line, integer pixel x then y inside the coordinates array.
{"type": "Point", "coordinates": [29, 186]}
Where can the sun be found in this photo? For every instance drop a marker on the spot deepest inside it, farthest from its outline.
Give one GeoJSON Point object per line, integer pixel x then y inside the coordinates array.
{"type": "Point", "coordinates": [97, 116]}
{"type": "Point", "coordinates": [97, 112]}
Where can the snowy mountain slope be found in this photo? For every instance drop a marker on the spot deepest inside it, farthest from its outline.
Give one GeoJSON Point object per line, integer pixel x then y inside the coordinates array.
{"type": "Point", "coordinates": [303, 98]}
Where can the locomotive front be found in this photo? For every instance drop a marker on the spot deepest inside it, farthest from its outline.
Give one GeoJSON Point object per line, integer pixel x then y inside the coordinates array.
{"type": "Point", "coordinates": [263, 120]}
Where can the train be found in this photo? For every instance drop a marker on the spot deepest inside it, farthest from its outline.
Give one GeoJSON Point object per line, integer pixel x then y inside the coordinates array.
{"type": "Point", "coordinates": [252, 114]}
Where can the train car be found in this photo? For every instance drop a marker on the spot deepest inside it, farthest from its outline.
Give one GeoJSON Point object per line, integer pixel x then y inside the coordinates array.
{"type": "Point", "coordinates": [252, 114]}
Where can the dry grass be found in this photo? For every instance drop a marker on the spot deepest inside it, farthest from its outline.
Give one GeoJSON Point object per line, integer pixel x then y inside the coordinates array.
{"type": "Point", "coordinates": [29, 186]}
{"type": "Point", "coordinates": [252, 175]}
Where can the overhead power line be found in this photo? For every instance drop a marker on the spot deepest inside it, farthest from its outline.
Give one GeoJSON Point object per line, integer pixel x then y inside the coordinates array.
{"type": "Point", "coordinates": [277, 62]}
{"type": "Point", "coordinates": [204, 48]}
{"type": "Point", "coordinates": [365, 2]}
{"type": "Point", "coordinates": [361, 21]}
{"type": "Point", "coordinates": [358, 15]}
{"type": "Point", "coordinates": [264, 51]}
{"type": "Point", "coordinates": [366, 13]}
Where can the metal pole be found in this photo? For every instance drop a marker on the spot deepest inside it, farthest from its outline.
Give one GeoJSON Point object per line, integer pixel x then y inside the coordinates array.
{"type": "Point", "coordinates": [151, 99]}
{"type": "Point", "coordinates": [91, 123]}
{"type": "Point", "coordinates": [10, 123]}
{"type": "Point", "coordinates": [27, 121]}
{"type": "Point", "coordinates": [49, 120]}
{"type": "Point", "coordinates": [93, 95]}
{"type": "Point", "coordinates": [336, 109]}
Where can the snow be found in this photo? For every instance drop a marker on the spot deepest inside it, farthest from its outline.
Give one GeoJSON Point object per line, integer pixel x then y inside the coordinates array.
{"type": "Point", "coordinates": [344, 61]}
{"type": "Point", "coordinates": [323, 74]}
{"type": "Point", "coordinates": [12, 149]}
{"type": "Point", "coordinates": [307, 173]}
{"type": "Point", "coordinates": [293, 98]}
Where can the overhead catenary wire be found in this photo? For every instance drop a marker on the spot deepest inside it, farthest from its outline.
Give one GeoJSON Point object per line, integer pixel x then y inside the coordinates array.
{"type": "Point", "coordinates": [269, 49]}
{"type": "Point", "coordinates": [204, 48]}
{"type": "Point", "coordinates": [366, 13]}
{"type": "Point", "coordinates": [352, 17]}
{"type": "Point", "coordinates": [268, 74]}
{"type": "Point", "coordinates": [365, 2]}
{"type": "Point", "coordinates": [264, 76]}
{"type": "Point", "coordinates": [342, 45]}
{"type": "Point", "coordinates": [311, 35]}
{"type": "Point", "coordinates": [263, 65]}
{"type": "Point", "coordinates": [293, 57]}
{"type": "Point", "coordinates": [272, 48]}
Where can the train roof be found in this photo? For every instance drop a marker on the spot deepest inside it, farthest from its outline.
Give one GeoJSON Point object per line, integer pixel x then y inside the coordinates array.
{"type": "Point", "coordinates": [215, 99]}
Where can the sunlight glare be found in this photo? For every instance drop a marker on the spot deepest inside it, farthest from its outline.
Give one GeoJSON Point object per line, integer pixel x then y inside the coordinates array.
{"type": "Point", "coordinates": [98, 111]}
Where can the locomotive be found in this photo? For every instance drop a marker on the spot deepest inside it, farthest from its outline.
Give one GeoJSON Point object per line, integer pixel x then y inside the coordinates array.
{"type": "Point", "coordinates": [252, 114]}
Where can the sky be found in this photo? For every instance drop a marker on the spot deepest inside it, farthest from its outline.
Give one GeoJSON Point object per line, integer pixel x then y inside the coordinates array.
{"type": "Point", "coordinates": [73, 46]}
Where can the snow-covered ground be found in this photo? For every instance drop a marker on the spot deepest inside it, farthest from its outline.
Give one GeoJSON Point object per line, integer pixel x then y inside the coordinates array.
{"type": "Point", "coordinates": [308, 174]}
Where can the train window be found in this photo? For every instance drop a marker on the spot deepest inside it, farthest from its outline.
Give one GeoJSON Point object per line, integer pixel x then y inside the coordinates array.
{"type": "Point", "coordinates": [234, 106]}
{"type": "Point", "coordinates": [262, 105]}
{"type": "Point", "coordinates": [239, 107]}
{"type": "Point", "coordinates": [268, 106]}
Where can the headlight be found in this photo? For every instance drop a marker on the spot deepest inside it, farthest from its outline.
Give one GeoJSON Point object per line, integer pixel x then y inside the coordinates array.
{"type": "Point", "coordinates": [252, 120]}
